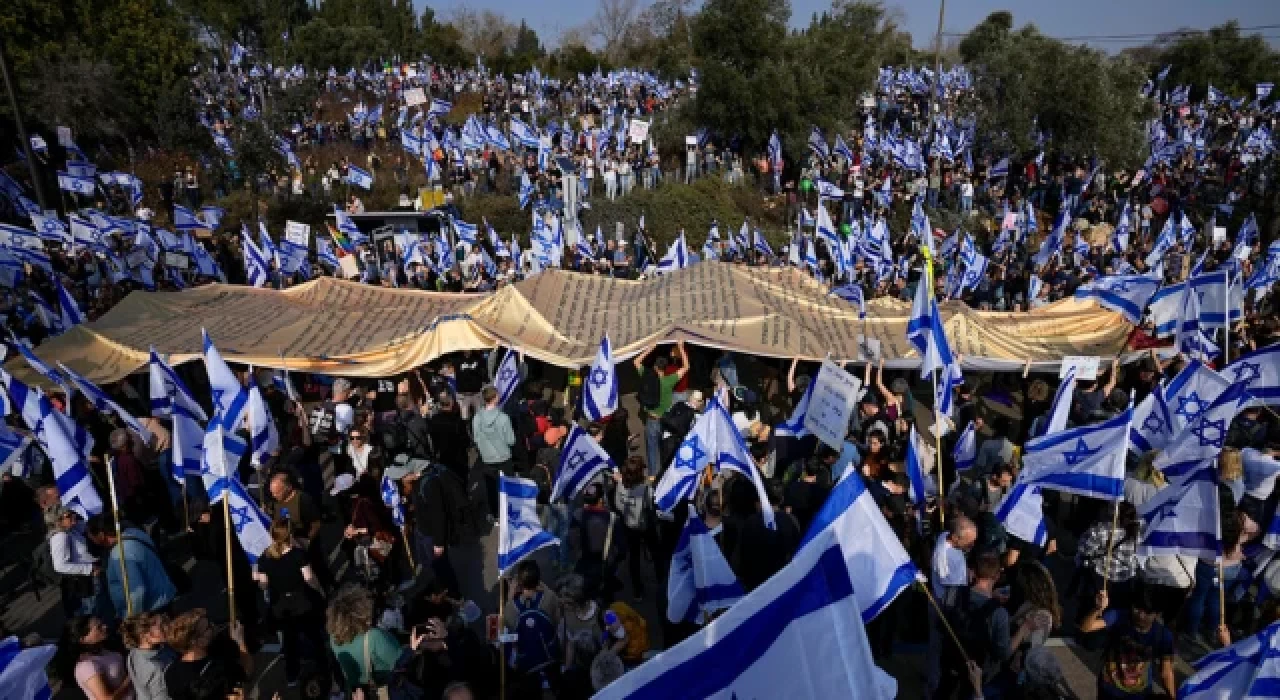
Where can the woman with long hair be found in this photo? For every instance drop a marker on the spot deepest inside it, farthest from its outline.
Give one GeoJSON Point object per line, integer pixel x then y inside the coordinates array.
{"type": "Point", "coordinates": [100, 673]}
{"type": "Point", "coordinates": [366, 653]}
{"type": "Point", "coordinates": [284, 573]}
{"type": "Point", "coordinates": [633, 499]}
{"type": "Point", "coordinates": [146, 636]}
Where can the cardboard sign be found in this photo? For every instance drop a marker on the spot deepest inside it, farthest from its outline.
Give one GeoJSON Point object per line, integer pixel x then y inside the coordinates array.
{"type": "Point", "coordinates": [868, 348]}
{"type": "Point", "coordinates": [1219, 234]}
{"type": "Point", "coordinates": [178, 260]}
{"type": "Point", "coordinates": [415, 96]}
{"type": "Point", "coordinates": [349, 267]}
{"type": "Point", "coordinates": [639, 131]}
{"type": "Point", "coordinates": [64, 137]}
{"type": "Point", "coordinates": [1086, 367]}
{"type": "Point", "coordinates": [691, 140]}
{"type": "Point", "coordinates": [297, 234]}
{"type": "Point", "coordinates": [832, 403]}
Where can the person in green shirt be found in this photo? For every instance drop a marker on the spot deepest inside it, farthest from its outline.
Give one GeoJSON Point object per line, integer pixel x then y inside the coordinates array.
{"type": "Point", "coordinates": [655, 400]}
{"type": "Point", "coordinates": [366, 653]}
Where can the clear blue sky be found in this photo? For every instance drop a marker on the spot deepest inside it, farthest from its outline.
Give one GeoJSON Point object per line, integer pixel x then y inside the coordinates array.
{"type": "Point", "coordinates": [1072, 18]}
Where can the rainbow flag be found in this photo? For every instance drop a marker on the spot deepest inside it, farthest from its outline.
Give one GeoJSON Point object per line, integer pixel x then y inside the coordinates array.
{"type": "Point", "coordinates": [343, 243]}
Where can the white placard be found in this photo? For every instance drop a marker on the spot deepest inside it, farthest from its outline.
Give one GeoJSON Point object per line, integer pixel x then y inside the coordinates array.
{"type": "Point", "coordinates": [1086, 367]}
{"type": "Point", "coordinates": [415, 96]}
{"type": "Point", "coordinates": [64, 137]}
{"type": "Point", "coordinates": [177, 260]}
{"type": "Point", "coordinates": [349, 267]}
{"type": "Point", "coordinates": [691, 140]}
{"type": "Point", "coordinates": [831, 405]}
{"type": "Point", "coordinates": [1219, 234]}
{"type": "Point", "coordinates": [639, 131]}
{"type": "Point", "coordinates": [137, 258]}
{"type": "Point", "coordinates": [868, 348]}
{"type": "Point", "coordinates": [297, 234]}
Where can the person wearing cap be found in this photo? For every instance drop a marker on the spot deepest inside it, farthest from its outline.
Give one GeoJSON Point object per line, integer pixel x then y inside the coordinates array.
{"type": "Point", "coordinates": [69, 549]}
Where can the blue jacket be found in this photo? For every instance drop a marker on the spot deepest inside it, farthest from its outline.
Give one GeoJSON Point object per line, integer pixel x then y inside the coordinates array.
{"type": "Point", "coordinates": [149, 585]}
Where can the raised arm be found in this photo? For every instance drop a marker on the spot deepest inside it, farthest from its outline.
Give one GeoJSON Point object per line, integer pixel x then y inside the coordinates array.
{"type": "Point", "coordinates": [889, 398]}
{"type": "Point", "coordinates": [684, 360]}
{"type": "Point", "coordinates": [1111, 381]}
{"type": "Point", "coordinates": [638, 360]}
{"type": "Point", "coordinates": [791, 376]}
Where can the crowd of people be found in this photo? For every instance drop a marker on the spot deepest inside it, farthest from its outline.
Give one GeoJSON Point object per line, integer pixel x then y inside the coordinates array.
{"type": "Point", "coordinates": [408, 468]}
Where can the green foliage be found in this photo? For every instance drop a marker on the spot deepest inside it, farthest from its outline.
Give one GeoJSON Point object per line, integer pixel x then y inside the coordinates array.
{"type": "Point", "coordinates": [1221, 57]}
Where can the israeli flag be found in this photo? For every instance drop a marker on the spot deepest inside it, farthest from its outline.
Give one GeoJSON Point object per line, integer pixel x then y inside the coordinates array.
{"type": "Point", "coordinates": [519, 530]}
{"type": "Point", "coordinates": [918, 465]}
{"type": "Point", "coordinates": [64, 443]}
{"type": "Point", "coordinates": [600, 390]}
{"type": "Point", "coordinates": [49, 318]}
{"type": "Point", "coordinates": [1191, 393]}
{"type": "Point", "coordinates": [359, 177]}
{"type": "Point", "coordinates": [23, 346]}
{"type": "Point", "coordinates": [1163, 243]}
{"type": "Point", "coordinates": [761, 245]}
{"type": "Point", "coordinates": [804, 617]}
{"type": "Point", "coordinates": [1060, 410]}
{"type": "Point", "coordinates": [186, 220]}
{"type": "Point", "coordinates": [390, 491]}
{"type": "Point", "coordinates": [76, 184]}
{"type": "Point", "coordinates": [439, 107]}
{"type": "Point", "coordinates": [1204, 438]}
{"type": "Point", "coordinates": [325, 254]}
{"type": "Point", "coordinates": [1087, 461]}
{"type": "Point", "coordinates": [13, 447]}
{"type": "Point", "coordinates": [826, 190]}
{"type": "Point", "coordinates": [256, 270]}
{"type": "Point", "coordinates": [925, 331]}
{"type": "Point", "coordinates": [1259, 373]}
{"type": "Point", "coordinates": [1182, 519]}
{"type": "Point", "coordinates": [230, 400]}
{"type": "Point", "coordinates": [70, 313]}
{"type": "Point", "coordinates": [103, 403]}
{"type": "Point", "coordinates": [467, 233]}
{"type": "Point", "coordinates": [1000, 169]}
{"type": "Point", "coordinates": [51, 228]}
{"type": "Point", "coordinates": [170, 397]}
{"type": "Point", "coordinates": [852, 293]}
{"type": "Point", "coordinates": [269, 249]}
{"type": "Point", "coordinates": [525, 195]}
{"type": "Point", "coordinates": [22, 671]}
{"type": "Point", "coordinates": [252, 526]}
{"type": "Point", "coordinates": [966, 449]}
{"type": "Point", "coordinates": [1246, 669]}
{"type": "Point", "coordinates": [495, 138]}
{"type": "Point", "coordinates": [212, 216]}
{"type": "Point", "coordinates": [1152, 423]}
{"type": "Point", "coordinates": [1120, 236]}
{"type": "Point", "coordinates": [775, 149]}
{"type": "Point", "coordinates": [238, 53]}
{"type": "Point", "coordinates": [1188, 337]}
{"type": "Point", "coordinates": [1022, 514]}
{"type": "Point", "coordinates": [1263, 90]}
{"type": "Point", "coordinates": [264, 439]}
{"type": "Point", "coordinates": [581, 459]}
{"type": "Point", "coordinates": [818, 143]}
{"type": "Point", "coordinates": [677, 257]}
{"type": "Point", "coordinates": [1127, 295]}
{"type": "Point", "coordinates": [1052, 244]}
{"type": "Point", "coordinates": [700, 582]}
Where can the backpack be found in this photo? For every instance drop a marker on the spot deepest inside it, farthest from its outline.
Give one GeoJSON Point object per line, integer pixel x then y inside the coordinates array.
{"type": "Point", "coordinates": [650, 394]}
{"type": "Point", "coordinates": [395, 437]}
{"type": "Point", "coordinates": [637, 631]}
{"type": "Point", "coordinates": [969, 621]}
{"type": "Point", "coordinates": [177, 575]}
{"type": "Point", "coordinates": [537, 645]}
{"type": "Point", "coordinates": [466, 515]}
{"type": "Point", "coordinates": [42, 571]}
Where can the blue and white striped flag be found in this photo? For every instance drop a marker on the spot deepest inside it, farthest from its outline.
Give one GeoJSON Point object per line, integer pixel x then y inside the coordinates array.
{"type": "Point", "coordinates": [520, 532]}
{"type": "Point", "coordinates": [1246, 669]}
{"type": "Point", "coordinates": [1259, 373]}
{"type": "Point", "coordinates": [13, 447]}
{"type": "Point", "coordinates": [919, 463]}
{"type": "Point", "coordinates": [1152, 423]}
{"type": "Point", "coordinates": [600, 386]}
{"type": "Point", "coordinates": [252, 526]}
{"type": "Point", "coordinates": [1188, 336]}
{"type": "Point", "coordinates": [439, 107]}
{"type": "Point", "coordinates": [264, 439]}
{"type": "Point", "coordinates": [852, 293]}
{"type": "Point", "coordinates": [170, 397]}
{"type": "Point", "coordinates": [761, 245]}
{"type": "Point", "coordinates": [1125, 294]}
{"type": "Point", "coordinates": [1022, 514]}
{"type": "Point", "coordinates": [256, 270]}
{"type": "Point", "coordinates": [22, 671]}
{"type": "Point", "coordinates": [700, 583]}
{"type": "Point", "coordinates": [230, 400]}
{"type": "Point", "coordinates": [51, 228]}
{"type": "Point", "coordinates": [818, 143]}
{"type": "Point", "coordinates": [1203, 439]}
{"type": "Point", "coordinates": [925, 330]}
{"type": "Point", "coordinates": [1191, 393]}
{"type": "Point", "coordinates": [581, 459]}
{"type": "Point", "coordinates": [69, 311]}
{"type": "Point", "coordinates": [1060, 409]}
{"type": "Point", "coordinates": [1088, 461]}
{"type": "Point", "coordinates": [677, 257]}
{"type": "Point", "coordinates": [103, 403]}
{"type": "Point", "coordinates": [66, 445]}
{"type": "Point", "coordinates": [507, 378]}
{"type": "Point", "coordinates": [325, 254]}
{"type": "Point", "coordinates": [359, 177]}
{"type": "Point", "coordinates": [23, 346]}
{"type": "Point", "coordinates": [1000, 169]}
{"type": "Point", "coordinates": [966, 449]}
{"type": "Point", "coordinates": [1182, 519]}
{"type": "Point", "coordinates": [390, 491]}
{"type": "Point", "coordinates": [775, 149]}
{"type": "Point", "coordinates": [186, 220]}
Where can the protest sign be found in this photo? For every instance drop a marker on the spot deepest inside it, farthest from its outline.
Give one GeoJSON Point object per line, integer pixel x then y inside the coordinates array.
{"type": "Point", "coordinates": [1219, 234]}
{"type": "Point", "coordinates": [831, 406]}
{"type": "Point", "coordinates": [64, 137]}
{"type": "Point", "coordinates": [298, 234]}
{"type": "Point", "coordinates": [1086, 367]}
{"type": "Point", "coordinates": [639, 131]}
{"type": "Point", "coordinates": [415, 96]}
{"type": "Point", "coordinates": [178, 260]}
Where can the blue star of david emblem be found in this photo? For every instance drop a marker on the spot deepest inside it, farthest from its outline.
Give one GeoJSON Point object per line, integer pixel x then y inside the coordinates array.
{"type": "Point", "coordinates": [1120, 287]}
{"type": "Point", "coordinates": [1169, 511]}
{"type": "Point", "coordinates": [514, 522]}
{"type": "Point", "coordinates": [1247, 373]}
{"type": "Point", "coordinates": [1081, 452]}
{"type": "Point", "coordinates": [575, 460]}
{"type": "Point", "coordinates": [506, 374]}
{"type": "Point", "coordinates": [1191, 406]}
{"type": "Point", "coordinates": [599, 377]}
{"type": "Point", "coordinates": [48, 226]}
{"type": "Point", "coordinates": [1153, 424]}
{"type": "Point", "coordinates": [1200, 295]}
{"type": "Point", "coordinates": [1211, 433]}
{"type": "Point", "coordinates": [240, 517]}
{"type": "Point", "coordinates": [690, 454]}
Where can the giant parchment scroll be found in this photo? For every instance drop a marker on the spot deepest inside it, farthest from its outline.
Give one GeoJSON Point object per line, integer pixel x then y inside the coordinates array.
{"type": "Point", "coordinates": [344, 328]}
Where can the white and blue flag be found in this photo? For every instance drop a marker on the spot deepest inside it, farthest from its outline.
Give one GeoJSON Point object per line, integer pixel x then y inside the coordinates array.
{"type": "Point", "coordinates": [507, 378]}
{"type": "Point", "coordinates": [69, 311]}
{"type": "Point", "coordinates": [1259, 373]}
{"type": "Point", "coordinates": [1127, 295]}
{"type": "Point", "coordinates": [390, 491]}
{"type": "Point", "coordinates": [1182, 519]}
{"type": "Point", "coordinates": [1087, 461]}
{"type": "Point", "coordinates": [677, 257]}
{"type": "Point", "coordinates": [186, 220]}
{"type": "Point", "coordinates": [600, 386]}
{"type": "Point", "coordinates": [1152, 422]}
{"type": "Point", "coordinates": [581, 459]}
{"type": "Point", "coordinates": [1188, 337]}
{"type": "Point", "coordinates": [22, 670]}
{"type": "Point", "coordinates": [1022, 514]}
{"type": "Point", "coordinates": [700, 582]}
{"type": "Point", "coordinates": [925, 331]}
{"type": "Point", "coordinates": [13, 447]}
{"type": "Point", "coordinates": [103, 403]}
{"type": "Point", "coordinates": [852, 293]}
{"type": "Point", "coordinates": [1060, 409]}
{"type": "Point", "coordinates": [77, 184]}
{"type": "Point", "coordinates": [230, 400]}
{"type": "Point", "coordinates": [1203, 439]}
{"type": "Point", "coordinates": [256, 270]}
{"type": "Point", "coordinates": [170, 397]}
{"type": "Point", "coordinates": [520, 532]}
{"type": "Point", "coordinates": [252, 526]}
{"type": "Point", "coordinates": [1250, 668]}
{"type": "Point", "coordinates": [264, 439]}
{"type": "Point", "coordinates": [919, 485]}
{"type": "Point", "coordinates": [966, 449]}
{"type": "Point", "coordinates": [359, 177]}
{"type": "Point", "coordinates": [1191, 392]}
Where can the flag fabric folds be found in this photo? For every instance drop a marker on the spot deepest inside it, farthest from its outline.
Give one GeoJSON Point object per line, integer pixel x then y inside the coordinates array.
{"type": "Point", "coordinates": [1204, 438]}
{"type": "Point", "coordinates": [581, 459]}
{"type": "Point", "coordinates": [1246, 669]}
{"type": "Point", "coordinates": [600, 386]}
{"type": "Point", "coordinates": [170, 397]}
{"type": "Point", "coordinates": [507, 378]}
{"type": "Point", "coordinates": [104, 403]}
{"type": "Point", "coordinates": [229, 396]}
{"type": "Point", "coordinates": [677, 257]}
{"type": "Point", "coordinates": [264, 439]}
{"type": "Point", "coordinates": [1259, 373]}
{"type": "Point", "coordinates": [390, 491]}
{"type": "Point", "coordinates": [519, 531]}
{"type": "Point", "coordinates": [1127, 295]}
{"type": "Point", "coordinates": [1087, 461]}
{"type": "Point", "coordinates": [1022, 514]}
{"type": "Point", "coordinates": [1060, 410]}
{"type": "Point", "coordinates": [966, 449]}
{"type": "Point", "coordinates": [700, 582]}
{"type": "Point", "coordinates": [359, 177]}
{"type": "Point", "coordinates": [1152, 423]}
{"type": "Point", "coordinates": [1182, 518]}
{"type": "Point", "coordinates": [22, 671]}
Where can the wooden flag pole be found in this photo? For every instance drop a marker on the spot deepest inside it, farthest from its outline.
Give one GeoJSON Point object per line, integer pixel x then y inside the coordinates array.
{"type": "Point", "coordinates": [231, 579]}
{"type": "Point", "coordinates": [947, 625]}
{"type": "Point", "coordinates": [115, 511]}
{"type": "Point", "coordinates": [1222, 595]}
{"type": "Point", "coordinates": [937, 441]}
{"type": "Point", "coordinates": [408, 547]}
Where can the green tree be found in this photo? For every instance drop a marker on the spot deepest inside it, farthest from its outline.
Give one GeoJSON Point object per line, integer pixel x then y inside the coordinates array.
{"type": "Point", "coordinates": [1221, 57]}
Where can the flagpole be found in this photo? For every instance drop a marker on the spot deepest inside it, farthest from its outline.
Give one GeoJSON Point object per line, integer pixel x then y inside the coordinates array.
{"type": "Point", "coordinates": [941, 616]}
{"type": "Point", "coordinates": [115, 511]}
{"type": "Point", "coordinates": [937, 441]}
{"type": "Point", "coordinates": [408, 548]}
{"type": "Point", "coordinates": [1111, 536]}
{"type": "Point", "coordinates": [231, 579]}
{"type": "Point", "coordinates": [1226, 325]}
{"type": "Point", "coordinates": [1222, 595]}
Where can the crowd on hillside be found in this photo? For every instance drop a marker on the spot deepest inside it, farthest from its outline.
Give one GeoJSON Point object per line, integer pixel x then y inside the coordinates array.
{"type": "Point", "coordinates": [419, 458]}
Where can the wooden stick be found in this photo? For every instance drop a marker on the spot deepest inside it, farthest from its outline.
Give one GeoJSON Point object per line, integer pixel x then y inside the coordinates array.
{"type": "Point", "coordinates": [1222, 595]}
{"type": "Point", "coordinates": [115, 510]}
{"type": "Point", "coordinates": [186, 509]}
{"type": "Point", "coordinates": [1111, 536]}
{"type": "Point", "coordinates": [408, 547]}
{"type": "Point", "coordinates": [947, 625]}
{"type": "Point", "coordinates": [231, 579]}
{"type": "Point", "coordinates": [937, 441]}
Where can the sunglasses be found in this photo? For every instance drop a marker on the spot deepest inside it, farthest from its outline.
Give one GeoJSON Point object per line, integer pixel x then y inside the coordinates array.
{"type": "Point", "coordinates": [356, 436]}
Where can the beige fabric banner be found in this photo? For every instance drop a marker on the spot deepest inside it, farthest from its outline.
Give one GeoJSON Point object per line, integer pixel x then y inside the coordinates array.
{"type": "Point", "coordinates": [344, 328]}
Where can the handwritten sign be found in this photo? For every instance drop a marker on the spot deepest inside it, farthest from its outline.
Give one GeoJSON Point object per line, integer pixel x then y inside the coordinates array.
{"type": "Point", "coordinates": [639, 131]}
{"type": "Point", "coordinates": [298, 234]}
{"type": "Point", "coordinates": [414, 96]}
{"type": "Point", "coordinates": [831, 405]}
{"type": "Point", "coordinates": [1086, 367]}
